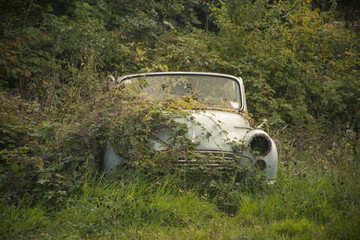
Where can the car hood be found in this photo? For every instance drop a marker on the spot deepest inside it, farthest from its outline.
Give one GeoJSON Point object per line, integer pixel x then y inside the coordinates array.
{"type": "Point", "coordinates": [208, 130]}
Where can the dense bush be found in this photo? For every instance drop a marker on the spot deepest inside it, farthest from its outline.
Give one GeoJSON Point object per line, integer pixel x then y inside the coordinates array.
{"type": "Point", "coordinates": [300, 66]}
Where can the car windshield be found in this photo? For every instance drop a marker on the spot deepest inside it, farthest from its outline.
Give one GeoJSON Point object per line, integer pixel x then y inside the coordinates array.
{"type": "Point", "coordinates": [209, 90]}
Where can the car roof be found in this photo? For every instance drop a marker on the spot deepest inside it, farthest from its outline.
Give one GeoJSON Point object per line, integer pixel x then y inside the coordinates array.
{"type": "Point", "coordinates": [178, 73]}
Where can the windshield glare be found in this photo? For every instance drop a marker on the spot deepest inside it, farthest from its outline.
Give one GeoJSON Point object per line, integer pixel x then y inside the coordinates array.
{"type": "Point", "coordinates": [210, 91]}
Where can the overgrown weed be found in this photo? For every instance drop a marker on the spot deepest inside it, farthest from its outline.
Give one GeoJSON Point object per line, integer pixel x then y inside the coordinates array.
{"type": "Point", "coordinates": [315, 198]}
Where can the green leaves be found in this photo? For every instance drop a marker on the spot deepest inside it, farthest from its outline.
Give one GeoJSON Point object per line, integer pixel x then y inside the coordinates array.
{"type": "Point", "coordinates": [289, 54]}
{"type": "Point", "coordinates": [300, 66]}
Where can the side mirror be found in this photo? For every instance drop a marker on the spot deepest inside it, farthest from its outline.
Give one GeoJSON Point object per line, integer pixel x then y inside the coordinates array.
{"type": "Point", "coordinates": [265, 120]}
{"type": "Point", "coordinates": [110, 80]}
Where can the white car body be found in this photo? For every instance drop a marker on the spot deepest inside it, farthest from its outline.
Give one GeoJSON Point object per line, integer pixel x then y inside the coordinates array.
{"type": "Point", "coordinates": [212, 130]}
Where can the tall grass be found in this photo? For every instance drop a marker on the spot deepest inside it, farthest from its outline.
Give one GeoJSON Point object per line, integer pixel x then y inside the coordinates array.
{"type": "Point", "coordinates": [316, 196]}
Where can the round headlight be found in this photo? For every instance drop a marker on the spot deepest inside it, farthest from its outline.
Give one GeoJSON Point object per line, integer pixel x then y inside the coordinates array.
{"type": "Point", "coordinates": [260, 164]}
{"type": "Point", "coordinates": [260, 144]}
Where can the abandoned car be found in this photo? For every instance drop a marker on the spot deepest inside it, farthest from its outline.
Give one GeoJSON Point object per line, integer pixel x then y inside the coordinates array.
{"type": "Point", "coordinates": [214, 127]}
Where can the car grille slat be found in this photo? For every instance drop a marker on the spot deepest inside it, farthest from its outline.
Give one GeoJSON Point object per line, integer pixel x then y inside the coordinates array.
{"type": "Point", "coordinates": [214, 159]}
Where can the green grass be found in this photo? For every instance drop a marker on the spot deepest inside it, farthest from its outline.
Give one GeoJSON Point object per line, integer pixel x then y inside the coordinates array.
{"type": "Point", "coordinates": [318, 198]}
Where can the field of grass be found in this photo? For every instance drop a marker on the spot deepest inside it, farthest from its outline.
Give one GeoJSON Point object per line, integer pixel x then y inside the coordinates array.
{"type": "Point", "coordinates": [316, 196]}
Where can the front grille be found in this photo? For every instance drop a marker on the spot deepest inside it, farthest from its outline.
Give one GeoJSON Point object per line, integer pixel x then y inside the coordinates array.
{"type": "Point", "coordinates": [216, 159]}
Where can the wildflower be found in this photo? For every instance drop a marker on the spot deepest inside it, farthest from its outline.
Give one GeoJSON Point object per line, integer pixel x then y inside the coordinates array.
{"type": "Point", "coordinates": [259, 197]}
{"type": "Point", "coordinates": [232, 215]}
{"type": "Point", "coordinates": [204, 205]}
{"type": "Point", "coordinates": [322, 227]}
{"type": "Point", "coordinates": [186, 214]}
{"type": "Point", "coordinates": [190, 219]}
{"type": "Point", "coordinates": [348, 144]}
